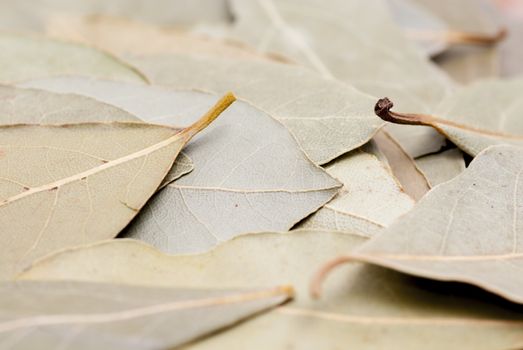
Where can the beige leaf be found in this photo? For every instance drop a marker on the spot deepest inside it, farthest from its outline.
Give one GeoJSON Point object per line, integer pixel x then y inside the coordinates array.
{"type": "Point", "coordinates": [442, 167]}
{"type": "Point", "coordinates": [25, 58]}
{"type": "Point", "coordinates": [250, 176]}
{"type": "Point", "coordinates": [468, 229]}
{"type": "Point", "coordinates": [23, 16]}
{"type": "Point", "coordinates": [361, 303]}
{"type": "Point", "coordinates": [122, 36]}
{"type": "Point", "coordinates": [370, 200]}
{"type": "Point", "coordinates": [415, 19]}
{"type": "Point", "coordinates": [29, 106]}
{"type": "Point", "coordinates": [82, 316]}
{"type": "Point", "coordinates": [79, 183]}
{"type": "Point", "coordinates": [327, 118]}
{"type": "Point", "coordinates": [365, 48]}
{"type": "Point", "coordinates": [480, 115]}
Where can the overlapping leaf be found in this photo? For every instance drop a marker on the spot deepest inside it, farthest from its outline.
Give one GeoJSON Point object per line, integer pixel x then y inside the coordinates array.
{"type": "Point", "coordinates": [468, 229]}
{"type": "Point", "coordinates": [249, 173]}
{"type": "Point", "coordinates": [369, 201]}
{"type": "Point", "coordinates": [25, 58]}
{"type": "Point", "coordinates": [74, 315]}
{"type": "Point", "coordinates": [86, 181]}
{"type": "Point", "coordinates": [480, 115]}
{"type": "Point", "coordinates": [360, 303]}
{"type": "Point", "coordinates": [29, 106]}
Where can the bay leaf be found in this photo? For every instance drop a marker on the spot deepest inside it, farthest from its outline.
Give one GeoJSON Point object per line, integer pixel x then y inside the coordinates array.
{"type": "Point", "coordinates": [369, 201]}
{"type": "Point", "coordinates": [122, 37]}
{"type": "Point", "coordinates": [327, 118]}
{"type": "Point", "coordinates": [79, 183]}
{"type": "Point", "coordinates": [33, 17]}
{"type": "Point", "coordinates": [360, 305]}
{"type": "Point", "coordinates": [27, 57]}
{"type": "Point", "coordinates": [415, 19]}
{"type": "Point", "coordinates": [81, 316]}
{"type": "Point", "coordinates": [249, 176]}
{"type": "Point", "coordinates": [442, 167]}
{"type": "Point", "coordinates": [468, 229]}
{"type": "Point", "coordinates": [365, 48]}
{"type": "Point", "coordinates": [477, 116]}
{"type": "Point", "coordinates": [31, 106]}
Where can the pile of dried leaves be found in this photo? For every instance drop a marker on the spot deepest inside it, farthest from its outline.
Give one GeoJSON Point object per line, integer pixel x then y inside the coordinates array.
{"type": "Point", "coordinates": [225, 174]}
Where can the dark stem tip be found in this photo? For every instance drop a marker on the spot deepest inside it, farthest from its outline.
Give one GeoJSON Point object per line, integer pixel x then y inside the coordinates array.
{"type": "Point", "coordinates": [383, 107]}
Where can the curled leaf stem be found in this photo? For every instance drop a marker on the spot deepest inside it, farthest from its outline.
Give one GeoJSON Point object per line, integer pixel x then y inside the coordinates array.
{"type": "Point", "coordinates": [320, 275]}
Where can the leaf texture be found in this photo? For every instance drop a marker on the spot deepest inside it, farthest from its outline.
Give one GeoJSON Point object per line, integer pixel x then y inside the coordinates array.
{"type": "Point", "coordinates": [25, 58]}
{"type": "Point", "coordinates": [31, 106]}
{"type": "Point", "coordinates": [249, 176]}
{"type": "Point", "coordinates": [82, 316]}
{"type": "Point", "coordinates": [442, 167]}
{"type": "Point", "coordinates": [370, 200]}
{"type": "Point", "coordinates": [87, 181]}
{"type": "Point", "coordinates": [360, 304]}
{"type": "Point", "coordinates": [468, 229]}
{"type": "Point", "coordinates": [466, 118]}
{"type": "Point", "coordinates": [326, 117]}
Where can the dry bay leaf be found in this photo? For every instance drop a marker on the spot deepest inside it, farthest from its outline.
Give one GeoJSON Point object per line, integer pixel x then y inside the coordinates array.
{"type": "Point", "coordinates": [81, 316]}
{"type": "Point", "coordinates": [86, 181]}
{"type": "Point", "coordinates": [480, 115]}
{"type": "Point", "coordinates": [468, 229]}
{"type": "Point", "coordinates": [365, 48]}
{"type": "Point", "coordinates": [369, 201]}
{"type": "Point", "coordinates": [249, 175]}
{"type": "Point", "coordinates": [26, 57]}
{"type": "Point", "coordinates": [442, 167]}
{"type": "Point", "coordinates": [30, 106]}
{"type": "Point", "coordinates": [327, 118]}
{"type": "Point", "coordinates": [32, 17]}
{"type": "Point", "coordinates": [361, 303]}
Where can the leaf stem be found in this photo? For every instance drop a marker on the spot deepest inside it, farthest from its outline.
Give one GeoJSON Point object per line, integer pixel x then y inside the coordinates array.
{"type": "Point", "coordinates": [320, 275]}
{"type": "Point", "coordinates": [210, 116]}
{"type": "Point", "coordinates": [458, 37]}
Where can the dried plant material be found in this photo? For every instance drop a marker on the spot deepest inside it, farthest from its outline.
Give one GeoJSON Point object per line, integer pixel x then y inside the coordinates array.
{"type": "Point", "coordinates": [25, 58]}
{"type": "Point", "coordinates": [123, 37]}
{"type": "Point", "coordinates": [250, 174]}
{"type": "Point", "coordinates": [467, 119]}
{"type": "Point", "coordinates": [33, 17]}
{"type": "Point", "coordinates": [404, 168]}
{"type": "Point", "coordinates": [442, 167]}
{"type": "Point", "coordinates": [87, 181]}
{"type": "Point", "coordinates": [370, 200]}
{"type": "Point", "coordinates": [371, 57]}
{"type": "Point", "coordinates": [449, 237]}
{"type": "Point", "coordinates": [73, 315]}
{"type": "Point", "coordinates": [413, 19]}
{"type": "Point", "coordinates": [360, 303]}
{"type": "Point", "coordinates": [30, 106]}
{"type": "Point", "coordinates": [327, 118]}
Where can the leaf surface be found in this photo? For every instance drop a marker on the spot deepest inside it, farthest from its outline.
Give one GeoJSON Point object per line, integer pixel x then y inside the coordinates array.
{"type": "Point", "coordinates": [360, 304]}
{"type": "Point", "coordinates": [477, 116]}
{"type": "Point", "coordinates": [30, 106]}
{"type": "Point", "coordinates": [249, 176]}
{"type": "Point", "coordinates": [80, 315]}
{"type": "Point", "coordinates": [86, 181]}
{"type": "Point", "coordinates": [468, 229]}
{"type": "Point", "coordinates": [369, 201]}
{"type": "Point", "coordinates": [25, 58]}
{"type": "Point", "coordinates": [442, 167]}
